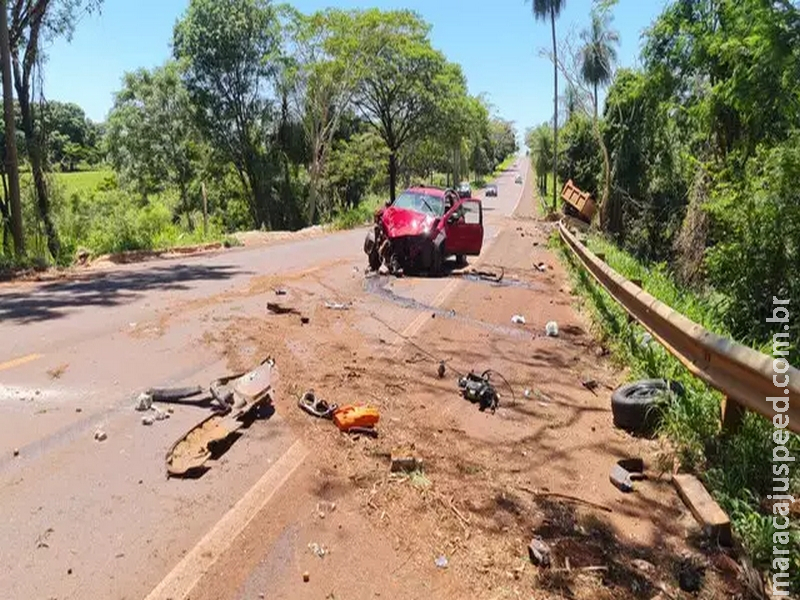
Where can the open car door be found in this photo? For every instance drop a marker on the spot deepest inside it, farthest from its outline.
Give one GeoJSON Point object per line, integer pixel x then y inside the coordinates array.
{"type": "Point", "coordinates": [464, 228]}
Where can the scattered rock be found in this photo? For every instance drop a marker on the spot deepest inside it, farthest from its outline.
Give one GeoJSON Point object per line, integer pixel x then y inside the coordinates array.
{"type": "Point", "coordinates": [78, 410]}
{"type": "Point", "coordinates": [144, 402]}
{"type": "Point", "coordinates": [442, 562]}
{"type": "Point", "coordinates": [305, 320]}
{"type": "Point", "coordinates": [160, 415]}
{"type": "Point", "coordinates": [539, 552]}
{"type": "Point", "coordinates": [643, 566]}
{"type": "Point", "coordinates": [306, 577]}
{"type": "Point", "coordinates": [148, 420]}
{"type": "Point", "coordinates": [16, 451]}
{"type": "Point", "coordinates": [100, 435]}
{"type": "Point", "coordinates": [170, 410]}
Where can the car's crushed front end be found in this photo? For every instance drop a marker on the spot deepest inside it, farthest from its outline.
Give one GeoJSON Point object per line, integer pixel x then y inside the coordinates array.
{"type": "Point", "coordinates": [402, 240]}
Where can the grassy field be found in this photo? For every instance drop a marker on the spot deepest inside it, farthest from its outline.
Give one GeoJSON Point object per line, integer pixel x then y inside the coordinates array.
{"type": "Point", "coordinates": [79, 181]}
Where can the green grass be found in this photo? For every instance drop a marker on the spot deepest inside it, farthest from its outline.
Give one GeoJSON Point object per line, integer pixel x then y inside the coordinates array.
{"type": "Point", "coordinates": [357, 216]}
{"type": "Point", "coordinates": [735, 467]}
{"type": "Point", "coordinates": [77, 182]}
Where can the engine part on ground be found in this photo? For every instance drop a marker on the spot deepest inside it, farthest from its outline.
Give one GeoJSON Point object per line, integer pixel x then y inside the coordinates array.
{"type": "Point", "coordinates": [637, 406]}
{"type": "Point", "coordinates": [316, 407]}
{"type": "Point", "coordinates": [479, 388]}
{"type": "Point", "coordinates": [625, 472]}
{"type": "Point", "coordinates": [349, 416]}
{"type": "Point", "coordinates": [240, 396]}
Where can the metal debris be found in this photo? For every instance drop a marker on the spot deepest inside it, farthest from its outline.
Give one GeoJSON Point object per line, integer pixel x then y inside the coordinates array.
{"type": "Point", "coordinates": [625, 472]}
{"type": "Point", "coordinates": [337, 305]}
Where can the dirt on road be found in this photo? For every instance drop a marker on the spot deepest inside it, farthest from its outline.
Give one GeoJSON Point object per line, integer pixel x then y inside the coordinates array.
{"type": "Point", "coordinates": [459, 526]}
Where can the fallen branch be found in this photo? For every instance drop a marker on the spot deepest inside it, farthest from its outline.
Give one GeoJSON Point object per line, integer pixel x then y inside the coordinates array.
{"type": "Point", "coordinates": [566, 497]}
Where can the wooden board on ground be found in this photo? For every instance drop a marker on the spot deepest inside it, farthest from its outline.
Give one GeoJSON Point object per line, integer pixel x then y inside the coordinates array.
{"type": "Point", "coordinates": [708, 513]}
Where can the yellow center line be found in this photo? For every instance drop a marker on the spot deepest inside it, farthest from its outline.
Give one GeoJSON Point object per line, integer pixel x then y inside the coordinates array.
{"type": "Point", "coordinates": [19, 361]}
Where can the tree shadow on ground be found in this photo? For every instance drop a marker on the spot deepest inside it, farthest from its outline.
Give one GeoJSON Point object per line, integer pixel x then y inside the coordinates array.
{"type": "Point", "coordinates": [54, 300]}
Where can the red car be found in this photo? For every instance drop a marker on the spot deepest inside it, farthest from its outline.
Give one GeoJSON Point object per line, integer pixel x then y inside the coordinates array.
{"type": "Point", "coordinates": [421, 228]}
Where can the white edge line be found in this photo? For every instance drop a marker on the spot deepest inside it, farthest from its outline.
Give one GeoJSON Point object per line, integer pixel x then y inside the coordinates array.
{"type": "Point", "coordinates": [190, 570]}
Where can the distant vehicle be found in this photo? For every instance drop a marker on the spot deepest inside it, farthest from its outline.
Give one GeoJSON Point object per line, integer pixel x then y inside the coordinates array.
{"type": "Point", "coordinates": [422, 228]}
{"type": "Point", "coordinates": [490, 190]}
{"type": "Point", "coordinates": [464, 190]}
{"type": "Point", "coordinates": [518, 179]}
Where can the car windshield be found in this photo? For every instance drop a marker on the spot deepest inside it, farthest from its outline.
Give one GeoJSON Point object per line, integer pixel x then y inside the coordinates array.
{"type": "Point", "coordinates": [420, 202]}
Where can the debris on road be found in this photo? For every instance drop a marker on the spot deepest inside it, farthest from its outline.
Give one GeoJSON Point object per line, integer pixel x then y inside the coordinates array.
{"type": "Point", "coordinates": [280, 292]}
{"type": "Point", "coordinates": [539, 552]}
{"type": "Point", "coordinates": [625, 472]}
{"type": "Point", "coordinates": [305, 320]}
{"type": "Point", "coordinates": [324, 508]}
{"type": "Point", "coordinates": [42, 540]}
{"type": "Point", "coordinates": [318, 549]}
{"type": "Point", "coordinates": [100, 435]}
{"type": "Point", "coordinates": [148, 420]}
{"type": "Point", "coordinates": [16, 451]}
{"type": "Point", "coordinates": [368, 431]}
{"type": "Point", "coordinates": [144, 402]}
{"type": "Point", "coordinates": [278, 309]}
{"type": "Point", "coordinates": [246, 393]}
{"type": "Point", "coordinates": [306, 577]}
{"type": "Point", "coordinates": [316, 407]}
{"type": "Point", "coordinates": [441, 370]}
{"type": "Point", "coordinates": [479, 388]}
{"type": "Point", "coordinates": [57, 372]}
{"type": "Point", "coordinates": [527, 394]}
{"type": "Point", "coordinates": [551, 329]}
{"type": "Point", "coordinates": [337, 305]}
{"type": "Point", "coordinates": [404, 461]}
{"type": "Point", "coordinates": [442, 562]}
{"type": "Point", "coordinates": [590, 384]}
{"type": "Point", "coordinates": [541, 267]}
{"type": "Point", "coordinates": [347, 417]}
{"type": "Point", "coordinates": [518, 320]}
{"type": "Point", "coordinates": [485, 275]}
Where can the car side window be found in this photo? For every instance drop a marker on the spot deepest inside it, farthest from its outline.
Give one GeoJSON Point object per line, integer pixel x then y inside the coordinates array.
{"type": "Point", "coordinates": [471, 212]}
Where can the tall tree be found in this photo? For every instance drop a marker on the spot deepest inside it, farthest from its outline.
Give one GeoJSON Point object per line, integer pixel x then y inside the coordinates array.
{"type": "Point", "coordinates": [599, 53]}
{"type": "Point", "coordinates": [151, 134]}
{"type": "Point", "coordinates": [32, 23]}
{"type": "Point", "coordinates": [12, 163]}
{"type": "Point", "coordinates": [543, 10]}
{"type": "Point", "coordinates": [328, 55]}
{"type": "Point", "coordinates": [231, 53]}
{"type": "Point", "coordinates": [396, 94]}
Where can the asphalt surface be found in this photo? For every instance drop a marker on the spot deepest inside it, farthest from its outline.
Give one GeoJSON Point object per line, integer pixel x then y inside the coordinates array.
{"type": "Point", "coordinates": [98, 519]}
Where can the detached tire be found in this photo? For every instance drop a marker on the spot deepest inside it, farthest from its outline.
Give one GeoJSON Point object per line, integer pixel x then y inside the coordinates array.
{"type": "Point", "coordinates": [637, 406]}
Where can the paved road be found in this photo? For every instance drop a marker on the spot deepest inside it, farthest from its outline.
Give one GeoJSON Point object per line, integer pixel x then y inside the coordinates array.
{"type": "Point", "coordinates": [88, 519]}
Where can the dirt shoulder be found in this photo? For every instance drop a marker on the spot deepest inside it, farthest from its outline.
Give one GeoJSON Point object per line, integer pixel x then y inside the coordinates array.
{"type": "Point", "coordinates": [489, 482]}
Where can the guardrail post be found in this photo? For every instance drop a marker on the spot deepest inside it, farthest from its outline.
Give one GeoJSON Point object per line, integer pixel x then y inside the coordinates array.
{"type": "Point", "coordinates": [732, 415]}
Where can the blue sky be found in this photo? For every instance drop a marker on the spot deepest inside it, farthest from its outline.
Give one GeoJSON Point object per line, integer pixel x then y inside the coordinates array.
{"type": "Point", "coordinates": [497, 44]}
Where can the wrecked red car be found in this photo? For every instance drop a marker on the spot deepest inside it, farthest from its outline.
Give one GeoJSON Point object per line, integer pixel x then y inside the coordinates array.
{"type": "Point", "coordinates": [422, 228]}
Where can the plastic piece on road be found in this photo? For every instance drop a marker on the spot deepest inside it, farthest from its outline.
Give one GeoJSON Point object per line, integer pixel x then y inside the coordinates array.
{"type": "Point", "coordinates": [350, 416]}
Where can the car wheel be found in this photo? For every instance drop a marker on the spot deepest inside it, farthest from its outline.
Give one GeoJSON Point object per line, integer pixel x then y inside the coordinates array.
{"type": "Point", "coordinates": [637, 407]}
{"type": "Point", "coordinates": [437, 261]}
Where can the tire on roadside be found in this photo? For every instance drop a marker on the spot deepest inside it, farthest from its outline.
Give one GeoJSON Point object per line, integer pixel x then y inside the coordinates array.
{"type": "Point", "coordinates": [638, 407]}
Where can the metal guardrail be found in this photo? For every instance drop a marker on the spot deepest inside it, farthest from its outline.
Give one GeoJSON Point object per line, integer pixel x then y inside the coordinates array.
{"type": "Point", "coordinates": [744, 375]}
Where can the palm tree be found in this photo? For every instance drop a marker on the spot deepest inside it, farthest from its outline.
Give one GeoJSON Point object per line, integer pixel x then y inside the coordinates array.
{"type": "Point", "coordinates": [543, 10]}
{"type": "Point", "coordinates": [599, 53]}
{"type": "Point", "coordinates": [570, 100]}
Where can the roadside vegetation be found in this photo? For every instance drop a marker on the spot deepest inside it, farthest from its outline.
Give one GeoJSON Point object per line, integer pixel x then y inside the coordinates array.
{"type": "Point", "coordinates": [694, 159]}
{"type": "Point", "coordinates": [327, 113]}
